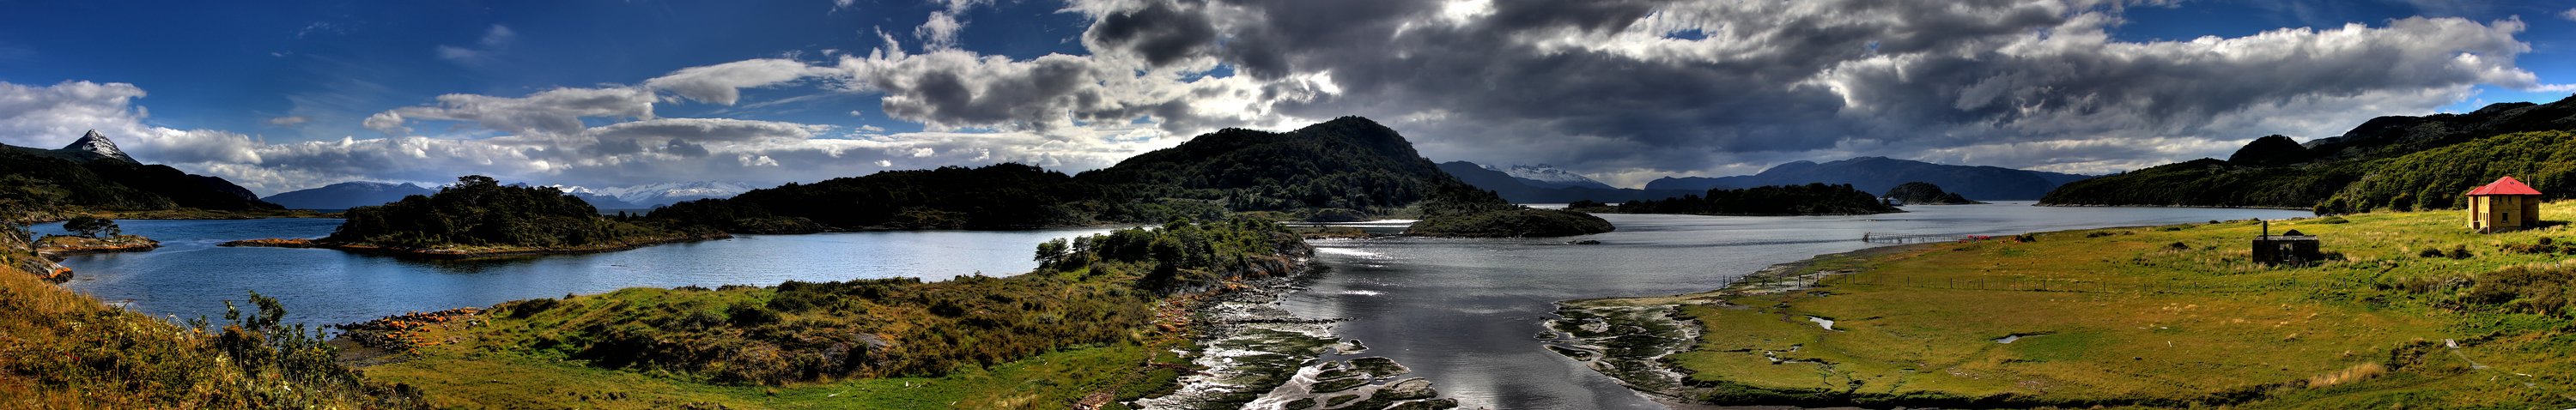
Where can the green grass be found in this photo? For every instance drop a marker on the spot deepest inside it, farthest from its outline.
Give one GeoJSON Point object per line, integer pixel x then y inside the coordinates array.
{"type": "Point", "coordinates": [2125, 319]}
{"type": "Point", "coordinates": [505, 380]}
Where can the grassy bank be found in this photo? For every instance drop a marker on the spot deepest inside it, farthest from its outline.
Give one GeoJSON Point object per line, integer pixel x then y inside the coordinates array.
{"type": "Point", "coordinates": [2153, 316]}
{"type": "Point", "coordinates": [64, 350]}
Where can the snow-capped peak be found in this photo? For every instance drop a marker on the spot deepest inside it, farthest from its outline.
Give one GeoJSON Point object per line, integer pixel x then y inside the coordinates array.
{"type": "Point", "coordinates": [95, 143]}
{"type": "Point", "coordinates": [674, 192]}
{"type": "Point", "coordinates": [1551, 176]}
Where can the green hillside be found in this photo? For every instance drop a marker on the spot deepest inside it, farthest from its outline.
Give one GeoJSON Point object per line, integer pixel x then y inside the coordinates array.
{"type": "Point", "coordinates": [2395, 162]}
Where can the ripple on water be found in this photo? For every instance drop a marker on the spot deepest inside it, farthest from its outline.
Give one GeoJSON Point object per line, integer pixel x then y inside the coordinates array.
{"type": "Point", "coordinates": [1351, 252]}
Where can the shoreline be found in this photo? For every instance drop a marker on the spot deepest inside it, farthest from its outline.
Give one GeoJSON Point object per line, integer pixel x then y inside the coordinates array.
{"type": "Point", "coordinates": [1602, 333]}
{"type": "Point", "coordinates": [2310, 210]}
{"type": "Point", "coordinates": [53, 249]}
{"type": "Point", "coordinates": [434, 253]}
{"type": "Point", "coordinates": [1251, 353]}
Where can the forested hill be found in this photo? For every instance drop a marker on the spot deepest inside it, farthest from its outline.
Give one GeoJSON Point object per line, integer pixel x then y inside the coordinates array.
{"type": "Point", "coordinates": [92, 174]}
{"type": "Point", "coordinates": [1348, 163]}
{"type": "Point", "coordinates": [2396, 162]}
{"type": "Point", "coordinates": [1522, 190]}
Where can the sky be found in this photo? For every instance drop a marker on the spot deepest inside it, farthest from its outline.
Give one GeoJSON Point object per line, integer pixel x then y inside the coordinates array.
{"type": "Point", "coordinates": [279, 96]}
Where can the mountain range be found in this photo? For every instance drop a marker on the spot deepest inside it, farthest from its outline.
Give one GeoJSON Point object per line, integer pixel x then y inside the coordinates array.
{"type": "Point", "coordinates": [1878, 174]}
{"type": "Point", "coordinates": [1548, 176]}
{"type": "Point", "coordinates": [93, 173]}
{"type": "Point", "coordinates": [652, 195]}
{"type": "Point", "coordinates": [347, 195]}
{"type": "Point", "coordinates": [1558, 187]}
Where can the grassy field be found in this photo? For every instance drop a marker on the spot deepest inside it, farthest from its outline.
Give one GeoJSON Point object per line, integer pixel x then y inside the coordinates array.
{"type": "Point", "coordinates": [2161, 316]}
{"type": "Point", "coordinates": [464, 378]}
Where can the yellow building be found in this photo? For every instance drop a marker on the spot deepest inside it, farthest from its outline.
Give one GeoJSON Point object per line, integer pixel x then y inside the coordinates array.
{"type": "Point", "coordinates": [2504, 205]}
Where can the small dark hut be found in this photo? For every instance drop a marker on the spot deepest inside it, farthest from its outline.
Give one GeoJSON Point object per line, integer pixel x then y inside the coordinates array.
{"type": "Point", "coordinates": [2287, 248]}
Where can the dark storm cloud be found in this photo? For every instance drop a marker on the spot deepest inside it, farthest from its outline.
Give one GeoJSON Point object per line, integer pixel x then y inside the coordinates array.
{"type": "Point", "coordinates": [1601, 85]}
{"type": "Point", "coordinates": [685, 149]}
{"type": "Point", "coordinates": [1162, 33]}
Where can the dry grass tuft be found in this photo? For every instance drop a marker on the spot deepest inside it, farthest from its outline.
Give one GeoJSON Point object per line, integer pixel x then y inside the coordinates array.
{"type": "Point", "coordinates": [2357, 372]}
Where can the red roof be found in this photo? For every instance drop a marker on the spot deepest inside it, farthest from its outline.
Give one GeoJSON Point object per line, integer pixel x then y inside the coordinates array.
{"type": "Point", "coordinates": [2505, 186]}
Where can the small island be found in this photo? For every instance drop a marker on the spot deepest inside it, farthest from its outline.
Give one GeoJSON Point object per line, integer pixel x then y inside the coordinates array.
{"type": "Point", "coordinates": [1924, 193]}
{"type": "Point", "coordinates": [1779, 200]}
{"type": "Point", "coordinates": [1465, 212]}
{"type": "Point", "coordinates": [92, 235]}
{"type": "Point", "coordinates": [479, 217]}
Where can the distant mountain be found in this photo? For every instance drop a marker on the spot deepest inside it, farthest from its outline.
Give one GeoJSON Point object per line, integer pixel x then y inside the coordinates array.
{"type": "Point", "coordinates": [347, 195]}
{"type": "Point", "coordinates": [92, 145]}
{"type": "Point", "coordinates": [1345, 166]}
{"type": "Point", "coordinates": [1528, 191]}
{"type": "Point", "coordinates": [1548, 176]}
{"type": "Point", "coordinates": [1878, 174]}
{"type": "Point", "coordinates": [2392, 162]}
{"type": "Point", "coordinates": [92, 173]}
{"type": "Point", "coordinates": [601, 201]}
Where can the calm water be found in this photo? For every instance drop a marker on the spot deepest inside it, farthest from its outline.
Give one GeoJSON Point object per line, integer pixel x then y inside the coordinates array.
{"type": "Point", "coordinates": [1463, 312]}
{"type": "Point", "coordinates": [190, 276]}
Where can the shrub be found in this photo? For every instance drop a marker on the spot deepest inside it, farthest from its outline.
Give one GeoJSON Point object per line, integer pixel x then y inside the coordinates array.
{"type": "Point", "coordinates": [2536, 289]}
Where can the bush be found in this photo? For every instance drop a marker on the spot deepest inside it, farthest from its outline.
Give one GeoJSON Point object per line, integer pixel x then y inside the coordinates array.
{"type": "Point", "coordinates": [749, 315]}
{"type": "Point", "coordinates": [2534, 289]}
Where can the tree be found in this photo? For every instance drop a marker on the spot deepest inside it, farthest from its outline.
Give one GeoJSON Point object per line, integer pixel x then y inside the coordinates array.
{"type": "Point", "coordinates": [93, 227]}
{"type": "Point", "coordinates": [1050, 252]}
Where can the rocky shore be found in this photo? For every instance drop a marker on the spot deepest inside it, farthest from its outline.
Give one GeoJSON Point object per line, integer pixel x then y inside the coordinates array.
{"type": "Point", "coordinates": [463, 252]}
{"type": "Point", "coordinates": [1254, 354]}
